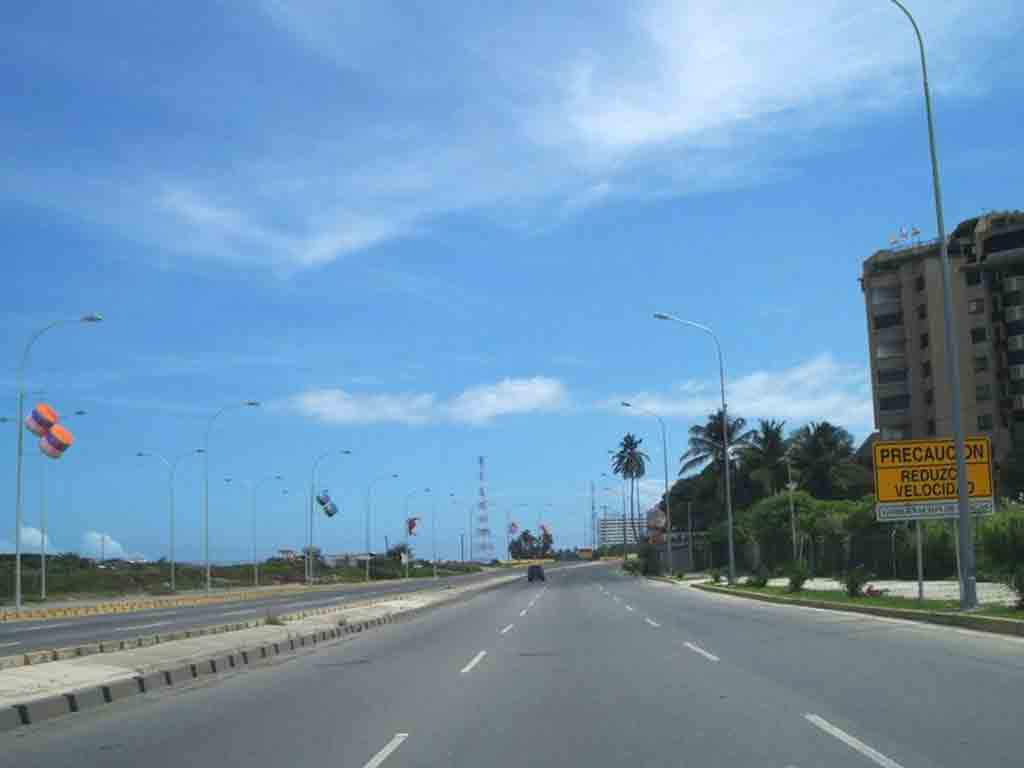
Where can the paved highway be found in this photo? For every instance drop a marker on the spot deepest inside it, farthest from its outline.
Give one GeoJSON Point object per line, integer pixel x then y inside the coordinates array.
{"type": "Point", "coordinates": [593, 669]}
{"type": "Point", "coordinates": [63, 632]}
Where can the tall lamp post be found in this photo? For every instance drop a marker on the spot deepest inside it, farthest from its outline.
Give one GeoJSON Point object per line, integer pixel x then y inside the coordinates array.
{"type": "Point", "coordinates": [968, 583]}
{"type": "Point", "coordinates": [369, 514]}
{"type": "Point", "coordinates": [312, 507]}
{"type": "Point", "coordinates": [206, 480]}
{"type": "Point", "coordinates": [22, 365]}
{"type": "Point", "coordinates": [252, 487]}
{"type": "Point", "coordinates": [668, 510]}
{"type": "Point", "coordinates": [172, 468]}
{"type": "Point", "coordinates": [725, 431]}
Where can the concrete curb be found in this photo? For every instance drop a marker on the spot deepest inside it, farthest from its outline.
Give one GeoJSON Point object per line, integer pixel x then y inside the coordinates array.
{"type": "Point", "coordinates": [109, 646]}
{"type": "Point", "coordinates": [54, 706]}
{"type": "Point", "coordinates": [991, 624]}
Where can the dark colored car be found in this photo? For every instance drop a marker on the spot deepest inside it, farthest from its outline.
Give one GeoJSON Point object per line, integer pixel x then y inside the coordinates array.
{"type": "Point", "coordinates": [534, 573]}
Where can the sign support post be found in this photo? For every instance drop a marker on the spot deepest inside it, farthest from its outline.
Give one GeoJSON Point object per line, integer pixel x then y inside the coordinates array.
{"type": "Point", "coordinates": [920, 562]}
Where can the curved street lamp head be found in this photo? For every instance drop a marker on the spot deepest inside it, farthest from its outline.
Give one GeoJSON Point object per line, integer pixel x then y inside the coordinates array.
{"type": "Point", "coordinates": [227, 479]}
{"type": "Point", "coordinates": [394, 477]}
{"type": "Point", "coordinates": [80, 412]}
{"type": "Point", "coordinates": [624, 404]}
{"type": "Point", "coordinates": [663, 316]}
{"type": "Point", "coordinates": [251, 403]}
{"type": "Point", "coordinates": [199, 450]}
{"type": "Point", "coordinates": [142, 454]}
{"type": "Point", "coordinates": [94, 317]}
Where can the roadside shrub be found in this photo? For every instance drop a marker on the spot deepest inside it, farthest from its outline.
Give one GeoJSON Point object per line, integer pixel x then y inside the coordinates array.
{"type": "Point", "coordinates": [758, 578]}
{"type": "Point", "coordinates": [797, 576]}
{"type": "Point", "coordinates": [715, 575]}
{"type": "Point", "coordinates": [1016, 583]}
{"type": "Point", "coordinates": [633, 567]}
{"type": "Point", "coordinates": [855, 580]}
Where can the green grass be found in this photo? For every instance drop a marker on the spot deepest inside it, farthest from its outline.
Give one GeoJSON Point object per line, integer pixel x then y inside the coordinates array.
{"type": "Point", "coordinates": [840, 597]}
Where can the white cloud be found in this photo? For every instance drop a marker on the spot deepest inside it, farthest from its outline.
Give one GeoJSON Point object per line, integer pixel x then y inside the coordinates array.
{"type": "Point", "coordinates": [819, 389]}
{"type": "Point", "coordinates": [336, 406]}
{"type": "Point", "coordinates": [31, 541]}
{"type": "Point", "coordinates": [526, 116]}
{"type": "Point", "coordinates": [477, 405]}
{"type": "Point", "coordinates": [480, 405]}
{"type": "Point", "coordinates": [95, 544]}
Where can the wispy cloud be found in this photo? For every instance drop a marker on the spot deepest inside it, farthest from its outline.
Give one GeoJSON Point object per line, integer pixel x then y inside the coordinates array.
{"type": "Point", "coordinates": [476, 406]}
{"type": "Point", "coordinates": [569, 107]}
{"type": "Point", "coordinates": [31, 541]}
{"type": "Point", "coordinates": [95, 544]}
{"type": "Point", "coordinates": [819, 389]}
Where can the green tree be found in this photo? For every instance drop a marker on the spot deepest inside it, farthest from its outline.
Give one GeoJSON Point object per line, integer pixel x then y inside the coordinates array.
{"type": "Point", "coordinates": [631, 462]}
{"type": "Point", "coordinates": [764, 457]}
{"type": "Point", "coordinates": [822, 453]}
{"type": "Point", "coordinates": [705, 445]}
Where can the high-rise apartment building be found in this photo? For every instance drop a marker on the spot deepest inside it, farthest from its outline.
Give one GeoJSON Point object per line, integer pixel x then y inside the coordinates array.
{"type": "Point", "coordinates": [611, 530]}
{"type": "Point", "coordinates": [904, 299]}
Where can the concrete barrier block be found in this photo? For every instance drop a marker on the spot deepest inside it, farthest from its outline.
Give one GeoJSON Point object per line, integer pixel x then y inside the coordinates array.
{"type": "Point", "coordinates": [122, 689]}
{"type": "Point", "coordinates": [10, 719]}
{"type": "Point", "coordinates": [9, 662]}
{"type": "Point", "coordinates": [220, 664]}
{"type": "Point", "coordinates": [110, 645]}
{"type": "Point", "coordinates": [88, 649]}
{"type": "Point", "coordinates": [38, 657]}
{"type": "Point", "coordinates": [205, 667]}
{"type": "Point", "coordinates": [65, 653]}
{"type": "Point", "coordinates": [87, 698]}
{"type": "Point", "coordinates": [179, 675]}
{"type": "Point", "coordinates": [44, 709]}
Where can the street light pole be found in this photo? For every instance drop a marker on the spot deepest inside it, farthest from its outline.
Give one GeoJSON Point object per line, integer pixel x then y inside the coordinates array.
{"type": "Point", "coordinates": [369, 514]}
{"type": "Point", "coordinates": [725, 432]}
{"type": "Point", "coordinates": [664, 455]}
{"type": "Point", "coordinates": [312, 503]}
{"type": "Point", "coordinates": [172, 468]}
{"type": "Point", "coordinates": [968, 583]}
{"type": "Point", "coordinates": [22, 365]}
{"type": "Point", "coordinates": [791, 486]}
{"type": "Point", "coordinates": [206, 481]}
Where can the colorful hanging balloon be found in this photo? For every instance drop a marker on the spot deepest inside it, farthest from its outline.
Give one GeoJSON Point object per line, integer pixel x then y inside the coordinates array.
{"type": "Point", "coordinates": [513, 528]}
{"type": "Point", "coordinates": [56, 441]}
{"type": "Point", "coordinates": [328, 507]}
{"type": "Point", "coordinates": [41, 420]}
{"type": "Point", "coordinates": [410, 525]}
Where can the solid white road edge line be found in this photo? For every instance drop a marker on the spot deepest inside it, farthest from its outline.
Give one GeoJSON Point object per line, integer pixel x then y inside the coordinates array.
{"type": "Point", "coordinates": [652, 622]}
{"type": "Point", "coordinates": [701, 651]}
{"type": "Point", "coordinates": [390, 747]}
{"type": "Point", "coordinates": [8, 645]}
{"type": "Point", "coordinates": [43, 626]}
{"type": "Point", "coordinates": [239, 613]}
{"type": "Point", "coordinates": [140, 626]}
{"type": "Point", "coordinates": [507, 629]}
{"type": "Point", "coordinates": [476, 660]}
{"type": "Point", "coordinates": [851, 741]}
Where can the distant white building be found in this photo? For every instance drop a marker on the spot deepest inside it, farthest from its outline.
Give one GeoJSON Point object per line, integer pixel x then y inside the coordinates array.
{"type": "Point", "coordinates": [610, 530]}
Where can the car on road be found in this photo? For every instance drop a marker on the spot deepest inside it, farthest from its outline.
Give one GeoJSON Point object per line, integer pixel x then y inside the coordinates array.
{"type": "Point", "coordinates": [535, 573]}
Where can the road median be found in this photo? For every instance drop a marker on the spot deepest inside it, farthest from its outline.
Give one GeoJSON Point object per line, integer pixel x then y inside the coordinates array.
{"type": "Point", "coordinates": [992, 624]}
{"type": "Point", "coordinates": [37, 691]}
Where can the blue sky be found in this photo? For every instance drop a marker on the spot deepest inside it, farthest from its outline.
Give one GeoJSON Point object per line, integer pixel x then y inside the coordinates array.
{"type": "Point", "coordinates": [429, 232]}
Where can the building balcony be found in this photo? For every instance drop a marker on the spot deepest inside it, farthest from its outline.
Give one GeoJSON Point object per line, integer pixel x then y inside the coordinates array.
{"type": "Point", "coordinates": [895, 388]}
{"type": "Point", "coordinates": [1015, 343]}
{"type": "Point", "coordinates": [1018, 402]}
{"type": "Point", "coordinates": [1013, 314]}
{"type": "Point", "coordinates": [1014, 283]}
{"type": "Point", "coordinates": [901, 418]}
{"type": "Point", "coordinates": [1016, 372]}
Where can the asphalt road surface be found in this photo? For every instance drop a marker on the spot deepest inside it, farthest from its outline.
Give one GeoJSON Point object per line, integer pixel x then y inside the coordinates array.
{"type": "Point", "coordinates": [592, 669]}
{"type": "Point", "coordinates": [64, 632]}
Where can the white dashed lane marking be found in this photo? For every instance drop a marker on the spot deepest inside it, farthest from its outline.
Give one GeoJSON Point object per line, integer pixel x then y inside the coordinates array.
{"type": "Point", "coordinates": [476, 660]}
{"type": "Point", "coordinates": [701, 651]}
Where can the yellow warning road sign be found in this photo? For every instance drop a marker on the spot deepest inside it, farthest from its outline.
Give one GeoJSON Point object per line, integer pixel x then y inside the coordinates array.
{"type": "Point", "coordinates": [914, 477]}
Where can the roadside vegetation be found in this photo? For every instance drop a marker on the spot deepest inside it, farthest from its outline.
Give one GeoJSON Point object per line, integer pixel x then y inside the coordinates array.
{"type": "Point", "coordinates": [71, 576]}
{"type": "Point", "coordinates": [830, 511]}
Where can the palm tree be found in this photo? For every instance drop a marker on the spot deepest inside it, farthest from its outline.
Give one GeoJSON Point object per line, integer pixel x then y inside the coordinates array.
{"type": "Point", "coordinates": [630, 462]}
{"type": "Point", "coordinates": [823, 455]}
{"type": "Point", "coordinates": [706, 443]}
{"type": "Point", "coordinates": [765, 457]}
